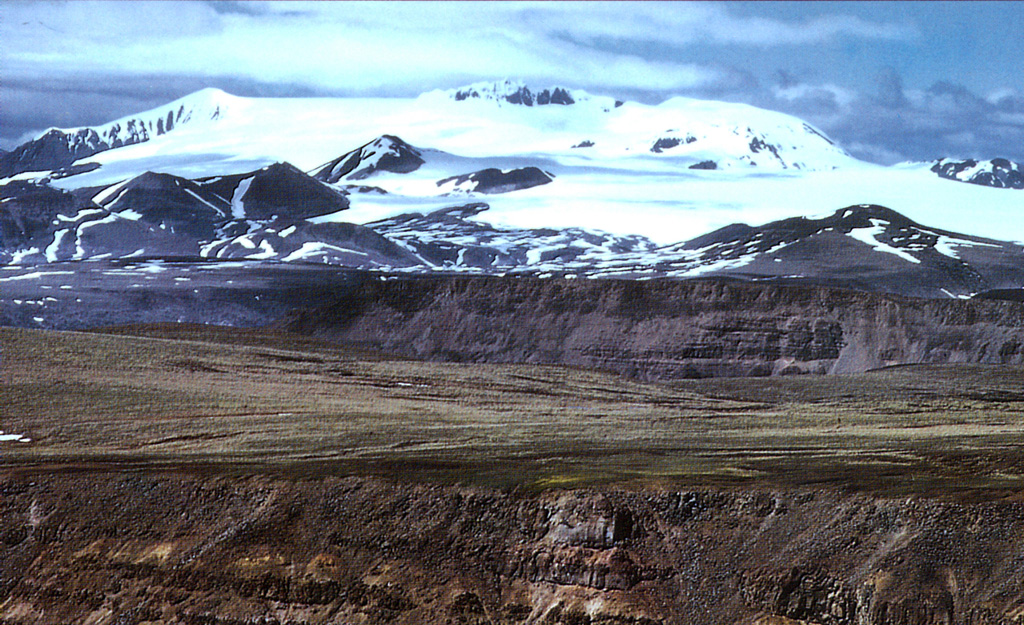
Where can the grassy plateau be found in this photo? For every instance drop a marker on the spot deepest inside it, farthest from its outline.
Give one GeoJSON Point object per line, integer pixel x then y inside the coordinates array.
{"type": "Point", "coordinates": [204, 398]}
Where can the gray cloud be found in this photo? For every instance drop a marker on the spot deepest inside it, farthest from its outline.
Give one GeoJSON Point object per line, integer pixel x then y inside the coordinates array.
{"type": "Point", "coordinates": [895, 124]}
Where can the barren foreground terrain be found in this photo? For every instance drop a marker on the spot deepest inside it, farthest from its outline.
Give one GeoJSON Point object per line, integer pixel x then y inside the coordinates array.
{"type": "Point", "coordinates": [191, 474]}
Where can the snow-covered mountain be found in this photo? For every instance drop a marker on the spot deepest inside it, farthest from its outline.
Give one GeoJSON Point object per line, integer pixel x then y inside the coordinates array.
{"type": "Point", "coordinates": [998, 172]}
{"type": "Point", "coordinates": [668, 172]}
{"type": "Point", "coordinates": [57, 149]}
{"type": "Point", "coordinates": [482, 120]}
{"type": "Point", "coordinates": [499, 177]}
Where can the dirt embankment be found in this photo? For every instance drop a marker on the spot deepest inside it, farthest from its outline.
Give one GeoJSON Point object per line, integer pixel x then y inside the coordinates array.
{"type": "Point", "coordinates": [664, 329]}
{"type": "Point", "coordinates": [117, 548]}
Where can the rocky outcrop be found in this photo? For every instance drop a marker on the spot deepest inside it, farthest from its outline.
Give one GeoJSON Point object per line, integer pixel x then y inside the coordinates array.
{"type": "Point", "coordinates": [28, 210]}
{"type": "Point", "coordinates": [865, 247]}
{"type": "Point", "coordinates": [514, 93]}
{"type": "Point", "coordinates": [55, 149]}
{"type": "Point", "coordinates": [492, 180]}
{"type": "Point", "coordinates": [665, 329]}
{"type": "Point", "coordinates": [119, 548]}
{"type": "Point", "coordinates": [998, 172]}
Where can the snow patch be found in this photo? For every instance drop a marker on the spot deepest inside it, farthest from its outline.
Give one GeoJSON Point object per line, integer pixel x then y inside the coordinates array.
{"type": "Point", "coordinates": [219, 211]}
{"type": "Point", "coordinates": [869, 236]}
{"type": "Point", "coordinates": [267, 251]}
{"type": "Point", "coordinates": [51, 249]}
{"type": "Point", "coordinates": [19, 255]}
{"type": "Point", "coordinates": [15, 438]}
{"type": "Point", "coordinates": [237, 206]}
{"type": "Point", "coordinates": [100, 197]}
{"type": "Point", "coordinates": [312, 248]}
{"type": "Point", "coordinates": [130, 214]}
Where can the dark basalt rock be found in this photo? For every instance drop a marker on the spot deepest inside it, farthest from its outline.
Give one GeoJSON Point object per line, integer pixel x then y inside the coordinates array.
{"type": "Point", "coordinates": [667, 143]}
{"type": "Point", "coordinates": [1010, 295]}
{"type": "Point", "coordinates": [664, 144]}
{"type": "Point", "coordinates": [820, 251]}
{"type": "Point", "coordinates": [584, 144]}
{"type": "Point", "coordinates": [72, 170]}
{"type": "Point", "coordinates": [279, 190]}
{"type": "Point", "coordinates": [493, 180]}
{"type": "Point", "coordinates": [758, 144]}
{"type": "Point", "coordinates": [172, 202]}
{"type": "Point", "coordinates": [704, 165]}
{"type": "Point", "coordinates": [335, 243]}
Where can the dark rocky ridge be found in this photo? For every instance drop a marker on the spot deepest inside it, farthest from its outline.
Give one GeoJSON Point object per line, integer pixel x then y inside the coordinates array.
{"type": "Point", "coordinates": [54, 150]}
{"type": "Point", "coordinates": [451, 237]}
{"type": "Point", "coordinates": [664, 329]}
{"type": "Point", "coordinates": [262, 214]}
{"type": "Point", "coordinates": [28, 212]}
{"type": "Point", "coordinates": [866, 247]}
{"type": "Point", "coordinates": [123, 548]}
{"type": "Point", "coordinates": [279, 190]}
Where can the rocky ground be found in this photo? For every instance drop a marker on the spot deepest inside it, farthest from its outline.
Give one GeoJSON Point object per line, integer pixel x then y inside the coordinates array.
{"type": "Point", "coordinates": [191, 548]}
{"type": "Point", "coordinates": [191, 474]}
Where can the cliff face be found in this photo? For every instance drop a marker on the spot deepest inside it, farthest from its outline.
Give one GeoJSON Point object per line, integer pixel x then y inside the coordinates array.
{"type": "Point", "coordinates": [93, 548]}
{"type": "Point", "coordinates": [663, 329]}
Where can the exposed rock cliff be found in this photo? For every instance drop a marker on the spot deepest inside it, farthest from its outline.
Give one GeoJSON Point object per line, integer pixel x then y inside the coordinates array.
{"type": "Point", "coordinates": [663, 329]}
{"type": "Point", "coordinates": [103, 548]}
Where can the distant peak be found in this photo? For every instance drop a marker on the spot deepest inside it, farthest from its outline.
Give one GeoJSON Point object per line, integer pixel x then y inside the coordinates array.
{"type": "Point", "coordinates": [386, 153]}
{"type": "Point", "coordinates": [516, 92]}
{"type": "Point", "coordinates": [209, 93]}
{"type": "Point", "coordinates": [208, 97]}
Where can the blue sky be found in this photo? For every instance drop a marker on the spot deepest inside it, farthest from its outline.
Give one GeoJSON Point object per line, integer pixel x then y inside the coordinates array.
{"type": "Point", "coordinates": [891, 81]}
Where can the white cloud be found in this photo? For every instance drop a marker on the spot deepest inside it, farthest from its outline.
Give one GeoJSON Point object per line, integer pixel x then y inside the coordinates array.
{"type": "Point", "coordinates": [802, 91]}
